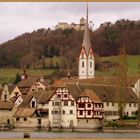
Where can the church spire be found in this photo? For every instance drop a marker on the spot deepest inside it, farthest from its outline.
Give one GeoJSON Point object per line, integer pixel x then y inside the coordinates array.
{"type": "Point", "coordinates": [86, 40]}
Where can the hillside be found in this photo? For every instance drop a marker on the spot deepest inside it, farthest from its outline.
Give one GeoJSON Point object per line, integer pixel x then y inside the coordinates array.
{"type": "Point", "coordinates": [107, 68]}
{"type": "Point", "coordinates": [28, 49]}
{"type": "Point", "coordinates": [109, 65]}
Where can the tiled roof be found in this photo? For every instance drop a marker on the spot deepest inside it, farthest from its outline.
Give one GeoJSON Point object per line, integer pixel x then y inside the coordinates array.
{"type": "Point", "coordinates": [105, 93]}
{"type": "Point", "coordinates": [45, 83]}
{"type": "Point", "coordinates": [5, 105]}
{"type": "Point", "coordinates": [11, 88]}
{"type": "Point", "coordinates": [28, 82]}
{"type": "Point", "coordinates": [97, 80]}
{"type": "Point", "coordinates": [40, 96]}
{"type": "Point", "coordinates": [91, 94]}
{"type": "Point", "coordinates": [24, 112]}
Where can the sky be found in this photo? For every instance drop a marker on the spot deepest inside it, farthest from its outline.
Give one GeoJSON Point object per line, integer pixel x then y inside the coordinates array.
{"type": "Point", "coordinates": [17, 18]}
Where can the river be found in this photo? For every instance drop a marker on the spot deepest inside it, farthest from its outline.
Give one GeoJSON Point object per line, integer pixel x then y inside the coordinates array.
{"type": "Point", "coordinates": [6, 134]}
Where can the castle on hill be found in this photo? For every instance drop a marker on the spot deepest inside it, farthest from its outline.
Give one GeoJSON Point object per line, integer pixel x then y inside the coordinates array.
{"type": "Point", "coordinates": [80, 26]}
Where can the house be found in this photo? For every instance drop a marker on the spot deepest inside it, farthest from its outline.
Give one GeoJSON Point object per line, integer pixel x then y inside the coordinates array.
{"type": "Point", "coordinates": [89, 110]}
{"type": "Point", "coordinates": [6, 113]}
{"type": "Point", "coordinates": [110, 96]}
{"type": "Point", "coordinates": [32, 84]}
{"type": "Point", "coordinates": [4, 92]}
{"type": "Point", "coordinates": [38, 99]}
{"type": "Point", "coordinates": [18, 100]}
{"type": "Point", "coordinates": [14, 91]}
{"type": "Point", "coordinates": [30, 118]}
{"type": "Point", "coordinates": [62, 109]}
{"type": "Point", "coordinates": [32, 110]}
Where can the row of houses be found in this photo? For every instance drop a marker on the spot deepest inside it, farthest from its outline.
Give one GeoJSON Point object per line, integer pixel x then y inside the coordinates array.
{"type": "Point", "coordinates": [34, 103]}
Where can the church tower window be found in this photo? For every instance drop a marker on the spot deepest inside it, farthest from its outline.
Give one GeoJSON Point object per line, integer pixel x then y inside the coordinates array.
{"type": "Point", "coordinates": [90, 64]}
{"type": "Point", "coordinates": [82, 64]}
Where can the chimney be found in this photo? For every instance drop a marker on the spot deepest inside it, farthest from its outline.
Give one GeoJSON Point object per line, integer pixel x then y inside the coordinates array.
{"type": "Point", "coordinates": [69, 75]}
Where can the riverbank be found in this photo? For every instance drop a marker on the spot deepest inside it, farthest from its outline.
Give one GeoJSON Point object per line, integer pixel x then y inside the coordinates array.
{"type": "Point", "coordinates": [74, 139]}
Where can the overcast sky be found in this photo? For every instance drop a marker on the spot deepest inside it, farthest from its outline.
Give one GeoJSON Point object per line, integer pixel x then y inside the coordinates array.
{"type": "Point", "coordinates": [17, 18]}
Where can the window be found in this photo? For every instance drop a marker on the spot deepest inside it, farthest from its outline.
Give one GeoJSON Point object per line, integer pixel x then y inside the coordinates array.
{"type": "Point", "coordinates": [112, 104]}
{"type": "Point", "coordinates": [39, 121]}
{"type": "Point", "coordinates": [25, 119]}
{"type": "Point", "coordinates": [55, 112]}
{"type": "Point", "coordinates": [16, 93]}
{"type": "Point", "coordinates": [82, 64]}
{"type": "Point", "coordinates": [115, 112]}
{"type": "Point", "coordinates": [87, 121]}
{"type": "Point", "coordinates": [133, 113]}
{"type": "Point", "coordinates": [17, 119]}
{"type": "Point", "coordinates": [63, 112]}
{"type": "Point", "coordinates": [102, 105]}
{"type": "Point", "coordinates": [65, 103]}
{"type": "Point", "coordinates": [129, 104]}
{"type": "Point", "coordinates": [72, 103]}
{"type": "Point", "coordinates": [33, 104]}
{"type": "Point", "coordinates": [58, 96]}
{"type": "Point", "coordinates": [56, 103]}
{"type": "Point", "coordinates": [40, 88]}
{"type": "Point", "coordinates": [65, 95]}
{"type": "Point", "coordinates": [52, 103]}
{"type": "Point", "coordinates": [134, 105]}
{"type": "Point", "coordinates": [90, 64]}
{"type": "Point", "coordinates": [95, 105]}
{"type": "Point", "coordinates": [81, 112]}
{"type": "Point", "coordinates": [81, 105]}
{"type": "Point", "coordinates": [5, 97]}
{"type": "Point", "coordinates": [89, 112]}
{"type": "Point", "coordinates": [107, 104]}
{"type": "Point", "coordinates": [89, 105]}
{"type": "Point", "coordinates": [71, 111]}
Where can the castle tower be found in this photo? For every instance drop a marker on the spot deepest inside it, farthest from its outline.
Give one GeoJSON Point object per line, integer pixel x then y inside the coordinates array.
{"type": "Point", "coordinates": [86, 57]}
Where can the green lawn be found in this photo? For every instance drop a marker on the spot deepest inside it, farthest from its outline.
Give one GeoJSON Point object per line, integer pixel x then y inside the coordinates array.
{"type": "Point", "coordinates": [9, 74]}
{"type": "Point", "coordinates": [133, 62]}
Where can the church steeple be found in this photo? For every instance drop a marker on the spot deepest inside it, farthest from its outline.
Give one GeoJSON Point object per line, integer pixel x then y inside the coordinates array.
{"type": "Point", "coordinates": [86, 40]}
{"type": "Point", "coordinates": [86, 58]}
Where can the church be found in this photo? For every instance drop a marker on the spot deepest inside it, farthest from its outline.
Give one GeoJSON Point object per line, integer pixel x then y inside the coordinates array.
{"type": "Point", "coordinates": [86, 57]}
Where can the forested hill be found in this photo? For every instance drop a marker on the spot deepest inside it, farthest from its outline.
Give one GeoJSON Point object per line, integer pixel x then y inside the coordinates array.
{"type": "Point", "coordinates": [29, 48]}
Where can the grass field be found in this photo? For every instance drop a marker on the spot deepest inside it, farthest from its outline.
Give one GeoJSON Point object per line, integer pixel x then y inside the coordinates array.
{"type": "Point", "coordinates": [8, 75]}
{"type": "Point", "coordinates": [133, 63]}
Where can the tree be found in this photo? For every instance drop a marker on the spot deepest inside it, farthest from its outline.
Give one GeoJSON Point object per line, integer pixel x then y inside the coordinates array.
{"type": "Point", "coordinates": [138, 111]}
{"type": "Point", "coordinates": [17, 79]}
{"type": "Point", "coordinates": [122, 78]}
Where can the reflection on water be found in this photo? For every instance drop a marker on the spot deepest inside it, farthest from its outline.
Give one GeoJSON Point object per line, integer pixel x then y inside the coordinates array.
{"type": "Point", "coordinates": [69, 135]}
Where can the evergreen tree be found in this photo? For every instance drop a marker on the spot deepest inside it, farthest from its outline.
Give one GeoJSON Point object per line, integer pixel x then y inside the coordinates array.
{"type": "Point", "coordinates": [17, 79]}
